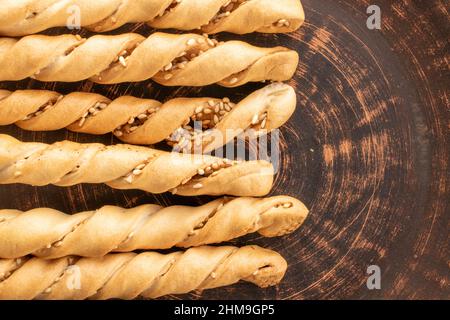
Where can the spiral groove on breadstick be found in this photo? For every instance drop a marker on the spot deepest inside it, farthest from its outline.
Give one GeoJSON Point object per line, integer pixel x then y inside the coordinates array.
{"type": "Point", "coordinates": [51, 234]}
{"type": "Point", "coordinates": [169, 59]}
{"type": "Point", "coordinates": [18, 18]}
{"type": "Point", "coordinates": [68, 163]}
{"type": "Point", "coordinates": [186, 123]}
{"type": "Point", "coordinates": [129, 275]}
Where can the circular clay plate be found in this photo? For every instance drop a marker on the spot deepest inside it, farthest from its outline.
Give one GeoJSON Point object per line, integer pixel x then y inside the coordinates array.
{"type": "Point", "coordinates": [367, 151]}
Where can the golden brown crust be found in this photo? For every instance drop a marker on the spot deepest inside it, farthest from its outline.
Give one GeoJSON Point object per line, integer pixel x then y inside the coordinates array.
{"type": "Point", "coordinates": [51, 234]}
{"type": "Point", "coordinates": [169, 59]}
{"type": "Point", "coordinates": [68, 163]}
{"type": "Point", "coordinates": [18, 18]}
{"type": "Point", "coordinates": [149, 274]}
{"type": "Point", "coordinates": [151, 121]}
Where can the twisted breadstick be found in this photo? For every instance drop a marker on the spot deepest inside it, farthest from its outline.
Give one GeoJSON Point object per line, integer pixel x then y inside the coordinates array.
{"type": "Point", "coordinates": [18, 18]}
{"type": "Point", "coordinates": [142, 121]}
{"type": "Point", "coordinates": [169, 59]}
{"type": "Point", "coordinates": [130, 167]}
{"type": "Point", "coordinates": [149, 274]}
{"type": "Point", "coordinates": [51, 234]}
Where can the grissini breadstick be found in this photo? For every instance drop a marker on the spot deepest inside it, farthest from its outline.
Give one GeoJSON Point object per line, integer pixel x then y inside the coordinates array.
{"type": "Point", "coordinates": [129, 275]}
{"type": "Point", "coordinates": [169, 59]}
{"type": "Point", "coordinates": [51, 234]}
{"type": "Point", "coordinates": [68, 163]}
{"type": "Point", "coordinates": [18, 18]}
{"type": "Point", "coordinates": [144, 121]}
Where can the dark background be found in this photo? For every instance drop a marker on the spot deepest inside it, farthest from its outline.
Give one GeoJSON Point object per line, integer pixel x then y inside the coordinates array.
{"type": "Point", "coordinates": [367, 151]}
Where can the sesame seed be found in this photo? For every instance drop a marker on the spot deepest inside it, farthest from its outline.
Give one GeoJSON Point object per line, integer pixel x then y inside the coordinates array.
{"type": "Point", "coordinates": [198, 109]}
{"type": "Point", "coordinates": [141, 166]}
{"type": "Point", "coordinates": [168, 67]}
{"type": "Point", "coordinates": [263, 123]}
{"type": "Point", "coordinates": [255, 119]}
{"type": "Point", "coordinates": [82, 121]}
{"type": "Point", "coordinates": [185, 181]}
{"type": "Point", "coordinates": [122, 61]}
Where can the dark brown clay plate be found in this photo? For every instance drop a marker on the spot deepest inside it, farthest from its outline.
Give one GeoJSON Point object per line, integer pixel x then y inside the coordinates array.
{"type": "Point", "coordinates": [367, 151]}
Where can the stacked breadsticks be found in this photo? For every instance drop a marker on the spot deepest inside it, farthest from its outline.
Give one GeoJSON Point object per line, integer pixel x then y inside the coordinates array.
{"type": "Point", "coordinates": [47, 254]}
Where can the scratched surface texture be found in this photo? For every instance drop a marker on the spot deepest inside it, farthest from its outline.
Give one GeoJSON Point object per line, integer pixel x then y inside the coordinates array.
{"type": "Point", "coordinates": [367, 151]}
